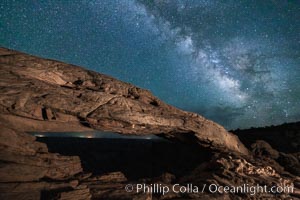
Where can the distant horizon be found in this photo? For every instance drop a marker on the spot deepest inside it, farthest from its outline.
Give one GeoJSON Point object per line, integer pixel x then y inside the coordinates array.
{"type": "Point", "coordinates": [240, 70]}
{"type": "Point", "coordinates": [93, 134]}
{"type": "Point", "coordinates": [245, 128]}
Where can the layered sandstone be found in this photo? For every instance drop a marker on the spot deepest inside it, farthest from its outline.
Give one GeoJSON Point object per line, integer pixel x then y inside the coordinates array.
{"type": "Point", "coordinates": [44, 95]}
{"type": "Point", "coordinates": [41, 95]}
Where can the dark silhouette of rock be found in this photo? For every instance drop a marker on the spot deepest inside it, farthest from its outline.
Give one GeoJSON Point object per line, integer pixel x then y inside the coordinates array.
{"type": "Point", "coordinates": [284, 138]}
{"type": "Point", "coordinates": [281, 143]}
{"type": "Point", "coordinates": [136, 158]}
{"type": "Point", "coordinates": [291, 162]}
{"type": "Point", "coordinates": [262, 148]}
{"type": "Point", "coordinates": [41, 95]}
{"type": "Point", "coordinates": [27, 168]}
{"type": "Point", "coordinates": [28, 160]}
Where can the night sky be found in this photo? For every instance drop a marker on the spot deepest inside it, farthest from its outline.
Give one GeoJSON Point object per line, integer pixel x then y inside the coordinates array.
{"type": "Point", "coordinates": [236, 62]}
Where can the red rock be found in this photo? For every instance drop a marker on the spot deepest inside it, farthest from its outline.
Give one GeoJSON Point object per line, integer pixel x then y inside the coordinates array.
{"type": "Point", "coordinates": [44, 95]}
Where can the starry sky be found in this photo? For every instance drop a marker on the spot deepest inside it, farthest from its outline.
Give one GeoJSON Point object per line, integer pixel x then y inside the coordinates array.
{"type": "Point", "coordinates": [236, 62]}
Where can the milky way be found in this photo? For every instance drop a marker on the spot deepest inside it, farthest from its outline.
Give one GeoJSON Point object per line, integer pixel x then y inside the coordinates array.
{"type": "Point", "coordinates": [235, 62]}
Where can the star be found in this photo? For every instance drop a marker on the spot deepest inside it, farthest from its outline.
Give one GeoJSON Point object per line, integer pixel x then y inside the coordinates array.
{"type": "Point", "coordinates": [240, 70]}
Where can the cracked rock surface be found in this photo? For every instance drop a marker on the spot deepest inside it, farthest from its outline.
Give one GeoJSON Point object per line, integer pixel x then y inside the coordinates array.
{"type": "Point", "coordinates": [41, 95]}
{"type": "Point", "coordinates": [44, 95]}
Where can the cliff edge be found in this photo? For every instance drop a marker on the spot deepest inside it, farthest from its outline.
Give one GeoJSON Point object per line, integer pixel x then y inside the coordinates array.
{"type": "Point", "coordinates": [45, 95]}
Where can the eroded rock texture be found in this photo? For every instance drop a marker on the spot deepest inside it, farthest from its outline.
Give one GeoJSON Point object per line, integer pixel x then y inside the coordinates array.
{"type": "Point", "coordinates": [45, 95]}
{"type": "Point", "coordinates": [27, 168]}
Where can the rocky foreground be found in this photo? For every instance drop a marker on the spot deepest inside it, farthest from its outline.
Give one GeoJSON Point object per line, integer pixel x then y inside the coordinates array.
{"type": "Point", "coordinates": [38, 95]}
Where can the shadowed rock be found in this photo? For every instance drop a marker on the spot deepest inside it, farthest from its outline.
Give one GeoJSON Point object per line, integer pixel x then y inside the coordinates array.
{"type": "Point", "coordinates": [26, 164]}
{"type": "Point", "coordinates": [44, 95]}
{"type": "Point", "coordinates": [27, 160]}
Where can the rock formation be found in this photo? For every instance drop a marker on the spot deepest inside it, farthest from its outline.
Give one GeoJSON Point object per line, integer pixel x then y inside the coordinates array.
{"type": "Point", "coordinates": [40, 95]}
{"type": "Point", "coordinates": [45, 95]}
{"type": "Point", "coordinates": [26, 165]}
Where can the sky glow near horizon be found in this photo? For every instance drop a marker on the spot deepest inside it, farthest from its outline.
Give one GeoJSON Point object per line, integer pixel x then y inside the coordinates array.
{"type": "Point", "coordinates": [234, 62]}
